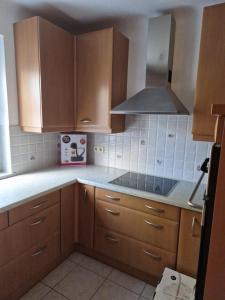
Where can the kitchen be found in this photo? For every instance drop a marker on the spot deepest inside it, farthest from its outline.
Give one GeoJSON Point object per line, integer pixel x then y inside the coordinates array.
{"type": "Point", "coordinates": [109, 113]}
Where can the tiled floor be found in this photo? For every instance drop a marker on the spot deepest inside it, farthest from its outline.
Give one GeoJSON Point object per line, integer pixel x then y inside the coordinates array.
{"type": "Point", "coordinates": [82, 278]}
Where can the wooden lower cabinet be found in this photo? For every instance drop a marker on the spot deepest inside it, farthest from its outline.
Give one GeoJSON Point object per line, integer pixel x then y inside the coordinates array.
{"type": "Point", "coordinates": [86, 215]}
{"type": "Point", "coordinates": [141, 256]}
{"type": "Point", "coordinates": [13, 276]}
{"type": "Point", "coordinates": [67, 219]}
{"type": "Point", "coordinates": [21, 236]}
{"type": "Point", "coordinates": [189, 242]}
{"type": "Point", "coordinates": [157, 231]}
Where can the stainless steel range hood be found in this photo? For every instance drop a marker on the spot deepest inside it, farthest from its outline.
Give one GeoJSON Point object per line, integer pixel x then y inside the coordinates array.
{"type": "Point", "coordinates": [157, 97]}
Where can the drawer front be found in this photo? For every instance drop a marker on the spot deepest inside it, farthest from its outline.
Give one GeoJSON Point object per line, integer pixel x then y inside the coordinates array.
{"type": "Point", "coordinates": [44, 254]}
{"type": "Point", "coordinates": [23, 211]}
{"type": "Point", "coordinates": [151, 207]}
{"type": "Point", "coordinates": [144, 227]}
{"type": "Point", "coordinates": [25, 234]}
{"type": "Point", "coordinates": [3, 220]}
{"type": "Point", "coordinates": [44, 224]}
{"type": "Point", "coordinates": [13, 276]}
{"type": "Point", "coordinates": [141, 256]}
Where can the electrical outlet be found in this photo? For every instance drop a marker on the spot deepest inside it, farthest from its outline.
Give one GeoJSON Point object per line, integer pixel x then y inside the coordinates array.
{"type": "Point", "coordinates": [99, 149]}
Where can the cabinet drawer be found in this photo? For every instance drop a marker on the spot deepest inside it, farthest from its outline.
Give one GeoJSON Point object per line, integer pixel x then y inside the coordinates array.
{"type": "Point", "coordinates": [151, 207]}
{"type": "Point", "coordinates": [44, 254]}
{"type": "Point", "coordinates": [147, 228]}
{"type": "Point", "coordinates": [27, 233]}
{"type": "Point", "coordinates": [3, 220]}
{"type": "Point", "coordinates": [139, 255]}
{"type": "Point", "coordinates": [32, 207]}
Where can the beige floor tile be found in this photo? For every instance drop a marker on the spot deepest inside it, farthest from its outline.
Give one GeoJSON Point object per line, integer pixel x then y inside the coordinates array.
{"type": "Point", "coordinates": [149, 291]}
{"type": "Point", "coordinates": [127, 281]}
{"type": "Point", "coordinates": [76, 257]}
{"type": "Point", "coordinates": [59, 273]}
{"type": "Point", "coordinates": [112, 291]}
{"type": "Point", "coordinates": [37, 292]}
{"type": "Point", "coordinates": [80, 284]}
{"type": "Point", "coordinates": [95, 266]}
{"type": "Point", "coordinates": [54, 296]}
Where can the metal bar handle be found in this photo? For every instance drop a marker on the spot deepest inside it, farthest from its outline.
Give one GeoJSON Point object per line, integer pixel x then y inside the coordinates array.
{"type": "Point", "coordinates": [38, 205]}
{"type": "Point", "coordinates": [40, 251]}
{"type": "Point", "coordinates": [158, 210]}
{"type": "Point", "coordinates": [112, 198]}
{"type": "Point", "coordinates": [85, 195]}
{"type": "Point", "coordinates": [194, 222]}
{"type": "Point", "coordinates": [116, 213]}
{"type": "Point", "coordinates": [86, 120]}
{"type": "Point", "coordinates": [41, 220]}
{"type": "Point", "coordinates": [157, 226]}
{"type": "Point", "coordinates": [152, 255]}
{"type": "Point", "coordinates": [111, 239]}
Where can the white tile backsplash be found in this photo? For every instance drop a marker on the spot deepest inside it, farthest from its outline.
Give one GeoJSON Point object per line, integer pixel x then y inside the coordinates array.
{"type": "Point", "coordinates": [152, 144]}
{"type": "Point", "coordinates": [32, 151]}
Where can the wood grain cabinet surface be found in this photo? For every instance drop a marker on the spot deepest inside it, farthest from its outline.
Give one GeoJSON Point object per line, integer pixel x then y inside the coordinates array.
{"type": "Point", "coordinates": [141, 226]}
{"type": "Point", "coordinates": [141, 256]}
{"type": "Point", "coordinates": [45, 76]}
{"type": "Point", "coordinates": [86, 215]}
{"type": "Point", "coordinates": [210, 88]}
{"type": "Point", "coordinates": [67, 219]}
{"type": "Point", "coordinates": [101, 80]}
{"type": "Point", "coordinates": [3, 220]}
{"type": "Point", "coordinates": [189, 242]}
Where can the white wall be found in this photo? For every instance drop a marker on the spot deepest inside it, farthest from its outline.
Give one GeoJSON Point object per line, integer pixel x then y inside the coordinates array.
{"type": "Point", "coordinates": [186, 53]}
{"type": "Point", "coordinates": [9, 14]}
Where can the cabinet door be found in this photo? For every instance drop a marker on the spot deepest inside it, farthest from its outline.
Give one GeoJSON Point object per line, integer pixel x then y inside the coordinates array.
{"type": "Point", "coordinates": [210, 88]}
{"type": "Point", "coordinates": [189, 242]}
{"type": "Point", "coordinates": [14, 276]}
{"type": "Point", "coordinates": [94, 80]}
{"type": "Point", "coordinates": [45, 75]}
{"type": "Point", "coordinates": [86, 215]}
{"type": "Point", "coordinates": [67, 219]}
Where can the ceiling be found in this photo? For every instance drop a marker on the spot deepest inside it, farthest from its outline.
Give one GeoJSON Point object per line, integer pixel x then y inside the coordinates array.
{"type": "Point", "coordinates": [86, 11]}
{"type": "Point", "coordinates": [89, 10]}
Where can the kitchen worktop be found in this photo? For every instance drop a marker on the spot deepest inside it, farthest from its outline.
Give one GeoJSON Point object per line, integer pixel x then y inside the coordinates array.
{"type": "Point", "coordinates": [19, 189]}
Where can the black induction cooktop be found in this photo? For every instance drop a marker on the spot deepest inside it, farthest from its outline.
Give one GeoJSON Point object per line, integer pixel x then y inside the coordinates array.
{"type": "Point", "coordinates": [148, 183]}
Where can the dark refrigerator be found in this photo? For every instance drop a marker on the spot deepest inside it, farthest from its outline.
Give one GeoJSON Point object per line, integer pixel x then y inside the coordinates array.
{"type": "Point", "coordinates": [207, 217]}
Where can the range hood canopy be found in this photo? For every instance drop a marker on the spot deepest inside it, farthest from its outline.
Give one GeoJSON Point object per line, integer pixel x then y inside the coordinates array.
{"type": "Point", "coordinates": [157, 97]}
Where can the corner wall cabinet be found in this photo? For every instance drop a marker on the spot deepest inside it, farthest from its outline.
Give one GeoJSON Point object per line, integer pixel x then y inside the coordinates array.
{"type": "Point", "coordinates": [45, 76]}
{"type": "Point", "coordinates": [210, 88]}
{"type": "Point", "coordinates": [68, 83]}
{"type": "Point", "coordinates": [101, 80]}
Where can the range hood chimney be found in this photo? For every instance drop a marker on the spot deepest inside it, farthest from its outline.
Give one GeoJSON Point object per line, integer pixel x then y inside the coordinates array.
{"type": "Point", "coordinates": [157, 97]}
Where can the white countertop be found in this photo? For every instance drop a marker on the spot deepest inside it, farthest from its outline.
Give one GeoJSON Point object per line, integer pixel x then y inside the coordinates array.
{"type": "Point", "coordinates": [22, 188]}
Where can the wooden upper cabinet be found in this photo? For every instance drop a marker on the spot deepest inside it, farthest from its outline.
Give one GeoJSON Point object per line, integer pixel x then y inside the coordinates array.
{"type": "Point", "coordinates": [45, 76]}
{"type": "Point", "coordinates": [189, 242]}
{"type": "Point", "coordinates": [101, 80]}
{"type": "Point", "coordinates": [210, 87]}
